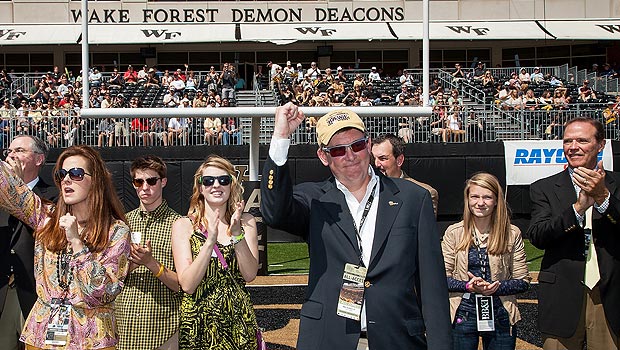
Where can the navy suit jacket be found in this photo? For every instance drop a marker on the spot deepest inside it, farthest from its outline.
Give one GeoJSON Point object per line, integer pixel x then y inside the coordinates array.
{"type": "Point", "coordinates": [405, 289]}
{"type": "Point", "coordinates": [17, 250]}
{"type": "Point", "coordinates": [555, 229]}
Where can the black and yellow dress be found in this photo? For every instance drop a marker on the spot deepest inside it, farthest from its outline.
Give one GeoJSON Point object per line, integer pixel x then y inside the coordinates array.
{"type": "Point", "coordinates": [219, 315]}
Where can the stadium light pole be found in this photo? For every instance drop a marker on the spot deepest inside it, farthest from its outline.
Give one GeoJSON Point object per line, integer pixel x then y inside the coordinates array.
{"type": "Point", "coordinates": [425, 52]}
{"type": "Point", "coordinates": [85, 84]}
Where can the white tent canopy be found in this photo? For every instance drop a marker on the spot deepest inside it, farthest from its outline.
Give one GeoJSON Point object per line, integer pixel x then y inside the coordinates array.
{"type": "Point", "coordinates": [285, 33]}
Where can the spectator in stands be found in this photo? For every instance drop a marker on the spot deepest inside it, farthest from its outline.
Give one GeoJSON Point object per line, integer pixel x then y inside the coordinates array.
{"type": "Point", "coordinates": [374, 75]}
{"type": "Point", "coordinates": [212, 131]}
{"type": "Point", "coordinates": [166, 79]}
{"type": "Point", "coordinates": [177, 84]}
{"type": "Point", "coordinates": [502, 92]}
{"type": "Point", "coordinates": [5, 129]}
{"type": "Point", "coordinates": [171, 100]}
{"type": "Point", "coordinates": [274, 68]}
{"type": "Point", "coordinates": [95, 78]}
{"type": "Point", "coordinates": [184, 103]}
{"type": "Point", "coordinates": [50, 81]}
{"type": "Point", "coordinates": [191, 82]}
{"type": "Point", "coordinates": [130, 76]}
{"type": "Point", "coordinates": [313, 72]}
{"type": "Point", "coordinates": [106, 132]}
{"type": "Point", "coordinates": [103, 89]}
{"type": "Point", "coordinates": [365, 101]}
{"type": "Point", "coordinates": [66, 101]}
{"type": "Point", "coordinates": [559, 98]}
{"type": "Point", "coordinates": [158, 129]}
{"type": "Point", "coordinates": [62, 85]}
{"type": "Point", "coordinates": [514, 81]}
{"type": "Point", "coordinates": [116, 80]}
{"type": "Point", "coordinates": [454, 99]}
{"type": "Point", "coordinates": [119, 101]}
{"type": "Point", "coordinates": [359, 81]}
{"type": "Point", "coordinates": [19, 97]}
{"type": "Point", "coordinates": [107, 101]}
{"type": "Point", "coordinates": [457, 74]}
{"type": "Point", "coordinates": [479, 71]}
{"type": "Point", "coordinates": [585, 92]}
{"type": "Point", "coordinates": [537, 77]}
{"type": "Point", "coordinates": [143, 74]}
{"type": "Point", "coordinates": [435, 87]}
{"type": "Point", "coordinates": [487, 80]}
{"type": "Point", "coordinates": [183, 74]}
{"type": "Point", "coordinates": [607, 71]}
{"type": "Point", "coordinates": [321, 84]}
{"type": "Point", "coordinates": [140, 130]}
{"type": "Point", "coordinates": [555, 82]}
{"type": "Point", "coordinates": [40, 93]}
{"type": "Point", "coordinates": [438, 121]}
{"type": "Point", "coordinates": [200, 101]}
{"type": "Point", "coordinates": [5, 80]}
{"type": "Point", "coordinates": [546, 100]}
{"type": "Point", "coordinates": [329, 76]}
{"type": "Point", "coordinates": [340, 74]}
{"type": "Point", "coordinates": [152, 79]}
{"type": "Point", "coordinates": [228, 80]}
{"type": "Point", "coordinates": [406, 79]}
{"type": "Point", "coordinates": [525, 78]}
{"type": "Point", "coordinates": [231, 132]}
{"type": "Point", "coordinates": [178, 131]}
{"type": "Point", "coordinates": [288, 73]}
{"type": "Point", "coordinates": [530, 101]}
{"type": "Point", "coordinates": [212, 79]}
{"type": "Point", "coordinates": [440, 100]}
{"type": "Point", "coordinates": [514, 100]}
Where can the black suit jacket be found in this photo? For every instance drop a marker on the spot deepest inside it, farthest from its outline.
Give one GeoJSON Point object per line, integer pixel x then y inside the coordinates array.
{"type": "Point", "coordinates": [405, 290]}
{"type": "Point", "coordinates": [17, 251]}
{"type": "Point", "coordinates": [555, 229]}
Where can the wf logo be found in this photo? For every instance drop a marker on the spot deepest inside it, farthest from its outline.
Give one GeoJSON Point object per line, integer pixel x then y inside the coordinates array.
{"type": "Point", "coordinates": [316, 30]}
{"type": "Point", "coordinates": [10, 34]}
{"type": "Point", "coordinates": [159, 33]}
{"type": "Point", "coordinates": [468, 30]}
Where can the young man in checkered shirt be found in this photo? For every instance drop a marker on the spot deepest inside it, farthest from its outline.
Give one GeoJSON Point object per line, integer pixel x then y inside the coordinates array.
{"type": "Point", "coordinates": [147, 310]}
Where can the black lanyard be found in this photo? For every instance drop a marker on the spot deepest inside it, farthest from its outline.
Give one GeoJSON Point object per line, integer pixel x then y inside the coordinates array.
{"type": "Point", "coordinates": [364, 215]}
{"type": "Point", "coordinates": [482, 257]}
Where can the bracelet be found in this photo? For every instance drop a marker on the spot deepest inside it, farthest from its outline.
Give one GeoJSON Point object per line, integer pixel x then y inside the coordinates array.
{"type": "Point", "coordinates": [237, 239]}
{"type": "Point", "coordinates": [160, 272]}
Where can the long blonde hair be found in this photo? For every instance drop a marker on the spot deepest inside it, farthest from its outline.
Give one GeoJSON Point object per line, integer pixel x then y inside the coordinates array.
{"type": "Point", "coordinates": [499, 232]}
{"type": "Point", "coordinates": [197, 202]}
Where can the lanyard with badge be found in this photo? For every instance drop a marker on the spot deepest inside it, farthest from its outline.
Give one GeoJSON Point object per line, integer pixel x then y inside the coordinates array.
{"type": "Point", "coordinates": [58, 324]}
{"type": "Point", "coordinates": [351, 297]}
{"type": "Point", "coordinates": [485, 315]}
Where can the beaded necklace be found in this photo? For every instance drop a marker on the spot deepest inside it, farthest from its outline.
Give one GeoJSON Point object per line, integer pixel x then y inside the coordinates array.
{"type": "Point", "coordinates": [64, 272]}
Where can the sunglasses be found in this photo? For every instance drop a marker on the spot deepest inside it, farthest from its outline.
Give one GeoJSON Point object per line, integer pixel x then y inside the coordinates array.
{"type": "Point", "coordinates": [341, 150]}
{"type": "Point", "coordinates": [223, 180]}
{"type": "Point", "coordinates": [75, 174]}
{"type": "Point", "coordinates": [151, 181]}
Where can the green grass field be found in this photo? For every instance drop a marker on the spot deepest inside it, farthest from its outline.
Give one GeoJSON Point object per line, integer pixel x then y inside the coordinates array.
{"type": "Point", "coordinates": [292, 258]}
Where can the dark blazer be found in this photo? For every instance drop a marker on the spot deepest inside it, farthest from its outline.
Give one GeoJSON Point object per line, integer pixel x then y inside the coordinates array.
{"type": "Point", "coordinates": [555, 229]}
{"type": "Point", "coordinates": [17, 250]}
{"type": "Point", "coordinates": [405, 290]}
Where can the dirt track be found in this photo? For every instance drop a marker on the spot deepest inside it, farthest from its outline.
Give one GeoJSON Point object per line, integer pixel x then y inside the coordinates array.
{"type": "Point", "coordinates": [277, 301]}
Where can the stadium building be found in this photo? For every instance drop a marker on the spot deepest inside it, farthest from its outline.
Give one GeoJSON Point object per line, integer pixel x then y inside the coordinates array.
{"type": "Point", "coordinates": [35, 35]}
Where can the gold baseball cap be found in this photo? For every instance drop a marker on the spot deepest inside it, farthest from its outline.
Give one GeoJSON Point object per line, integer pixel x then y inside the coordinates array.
{"type": "Point", "coordinates": [334, 121]}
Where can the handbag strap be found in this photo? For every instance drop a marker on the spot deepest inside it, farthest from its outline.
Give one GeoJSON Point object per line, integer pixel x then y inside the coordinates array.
{"type": "Point", "coordinates": [216, 249]}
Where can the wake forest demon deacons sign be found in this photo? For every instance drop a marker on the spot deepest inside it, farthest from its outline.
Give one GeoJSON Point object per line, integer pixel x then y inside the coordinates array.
{"type": "Point", "coordinates": [242, 15]}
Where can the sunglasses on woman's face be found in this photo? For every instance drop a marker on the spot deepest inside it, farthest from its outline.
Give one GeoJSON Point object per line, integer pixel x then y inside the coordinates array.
{"type": "Point", "coordinates": [341, 150]}
{"type": "Point", "coordinates": [223, 180]}
{"type": "Point", "coordinates": [151, 181]}
{"type": "Point", "coordinates": [75, 174]}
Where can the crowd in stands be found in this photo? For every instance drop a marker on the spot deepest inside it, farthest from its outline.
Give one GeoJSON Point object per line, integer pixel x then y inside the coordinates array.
{"type": "Point", "coordinates": [50, 108]}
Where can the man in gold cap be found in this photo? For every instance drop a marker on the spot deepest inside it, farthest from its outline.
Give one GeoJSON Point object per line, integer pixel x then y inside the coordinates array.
{"type": "Point", "coordinates": [376, 271]}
